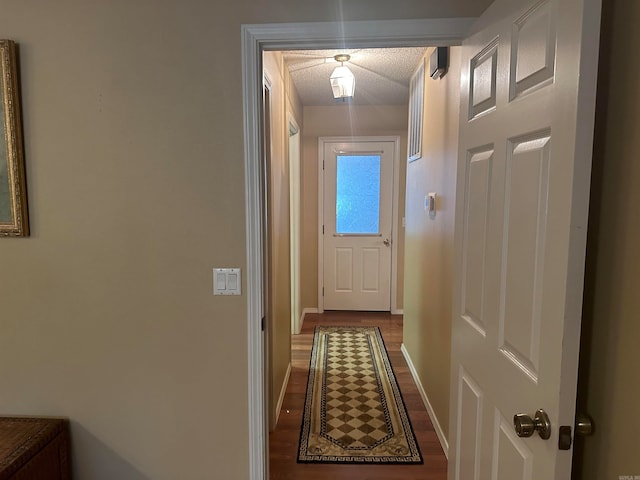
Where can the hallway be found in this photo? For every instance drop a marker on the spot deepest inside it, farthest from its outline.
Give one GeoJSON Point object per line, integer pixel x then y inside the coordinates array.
{"type": "Point", "coordinates": [283, 442]}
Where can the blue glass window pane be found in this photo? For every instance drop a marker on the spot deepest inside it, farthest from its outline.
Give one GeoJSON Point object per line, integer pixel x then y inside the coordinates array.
{"type": "Point", "coordinates": [358, 194]}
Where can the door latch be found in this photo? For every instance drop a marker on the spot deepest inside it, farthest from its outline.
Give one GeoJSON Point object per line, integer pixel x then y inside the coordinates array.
{"type": "Point", "coordinates": [583, 428]}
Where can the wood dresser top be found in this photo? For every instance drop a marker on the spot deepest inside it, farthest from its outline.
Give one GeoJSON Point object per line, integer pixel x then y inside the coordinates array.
{"type": "Point", "coordinates": [22, 437]}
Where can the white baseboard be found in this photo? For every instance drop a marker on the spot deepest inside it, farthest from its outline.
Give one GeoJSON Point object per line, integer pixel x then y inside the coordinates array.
{"type": "Point", "coordinates": [305, 311]}
{"type": "Point", "coordinates": [283, 390]}
{"type": "Point", "coordinates": [427, 403]}
{"type": "Point", "coordinates": [397, 311]}
{"type": "Point", "coordinates": [301, 319]}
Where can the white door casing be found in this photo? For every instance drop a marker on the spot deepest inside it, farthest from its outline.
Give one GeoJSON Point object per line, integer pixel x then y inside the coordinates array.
{"type": "Point", "coordinates": [294, 219]}
{"type": "Point", "coordinates": [526, 133]}
{"type": "Point", "coordinates": [356, 267]}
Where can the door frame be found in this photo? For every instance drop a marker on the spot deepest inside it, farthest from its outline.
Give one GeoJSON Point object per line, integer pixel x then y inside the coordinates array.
{"type": "Point", "coordinates": [394, 210]}
{"type": "Point", "coordinates": [254, 40]}
{"type": "Point", "coordinates": [294, 134]}
{"type": "Point", "coordinates": [266, 91]}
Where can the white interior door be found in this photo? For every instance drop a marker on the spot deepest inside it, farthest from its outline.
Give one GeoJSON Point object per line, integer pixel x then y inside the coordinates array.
{"type": "Point", "coordinates": [357, 225]}
{"type": "Point", "coordinates": [527, 110]}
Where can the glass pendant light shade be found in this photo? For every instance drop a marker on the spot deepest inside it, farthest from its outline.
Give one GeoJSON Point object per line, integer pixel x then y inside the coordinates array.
{"type": "Point", "coordinates": [343, 83]}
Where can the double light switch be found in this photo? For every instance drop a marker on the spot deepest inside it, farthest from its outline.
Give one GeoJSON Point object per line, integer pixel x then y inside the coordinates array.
{"type": "Point", "coordinates": [226, 281]}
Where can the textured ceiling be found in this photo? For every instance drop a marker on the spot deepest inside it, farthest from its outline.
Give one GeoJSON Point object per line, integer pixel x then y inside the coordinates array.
{"type": "Point", "coordinates": [382, 74]}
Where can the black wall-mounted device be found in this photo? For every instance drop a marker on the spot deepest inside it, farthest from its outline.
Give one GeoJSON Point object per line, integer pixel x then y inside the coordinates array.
{"type": "Point", "coordinates": [439, 62]}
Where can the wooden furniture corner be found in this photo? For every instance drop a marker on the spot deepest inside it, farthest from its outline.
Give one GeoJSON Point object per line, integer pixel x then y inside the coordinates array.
{"type": "Point", "coordinates": [34, 448]}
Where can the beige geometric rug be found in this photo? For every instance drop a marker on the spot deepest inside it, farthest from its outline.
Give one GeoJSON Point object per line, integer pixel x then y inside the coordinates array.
{"type": "Point", "coordinates": [354, 412]}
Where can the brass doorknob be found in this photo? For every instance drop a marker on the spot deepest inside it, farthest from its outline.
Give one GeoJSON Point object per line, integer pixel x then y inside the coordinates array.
{"type": "Point", "coordinates": [525, 425]}
{"type": "Point", "coordinates": [386, 242]}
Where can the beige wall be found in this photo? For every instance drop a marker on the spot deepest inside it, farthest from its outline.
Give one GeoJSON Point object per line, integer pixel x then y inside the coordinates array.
{"type": "Point", "coordinates": [429, 241]}
{"type": "Point", "coordinates": [134, 145]}
{"type": "Point", "coordinates": [342, 120]}
{"type": "Point", "coordinates": [612, 328]}
{"type": "Point", "coordinates": [283, 100]}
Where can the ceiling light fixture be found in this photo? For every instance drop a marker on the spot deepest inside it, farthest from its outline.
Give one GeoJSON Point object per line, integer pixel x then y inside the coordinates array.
{"type": "Point", "coordinates": [343, 83]}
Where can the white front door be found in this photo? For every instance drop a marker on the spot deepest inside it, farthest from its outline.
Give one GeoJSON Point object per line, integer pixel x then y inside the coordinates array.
{"type": "Point", "coordinates": [357, 221]}
{"type": "Point", "coordinates": [527, 111]}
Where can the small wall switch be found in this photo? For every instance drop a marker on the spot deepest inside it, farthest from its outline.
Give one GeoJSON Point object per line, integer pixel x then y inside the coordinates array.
{"type": "Point", "coordinates": [430, 204]}
{"type": "Point", "coordinates": [227, 281]}
{"type": "Point", "coordinates": [232, 278]}
{"type": "Point", "coordinates": [221, 281]}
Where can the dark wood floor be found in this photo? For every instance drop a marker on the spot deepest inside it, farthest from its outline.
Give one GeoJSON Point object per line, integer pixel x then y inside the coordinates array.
{"type": "Point", "coordinates": [283, 441]}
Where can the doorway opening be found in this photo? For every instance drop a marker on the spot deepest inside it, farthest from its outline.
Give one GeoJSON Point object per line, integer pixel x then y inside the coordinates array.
{"type": "Point", "coordinates": [256, 40]}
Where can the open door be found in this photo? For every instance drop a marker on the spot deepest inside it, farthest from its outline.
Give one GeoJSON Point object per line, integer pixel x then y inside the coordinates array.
{"type": "Point", "coordinates": [526, 135]}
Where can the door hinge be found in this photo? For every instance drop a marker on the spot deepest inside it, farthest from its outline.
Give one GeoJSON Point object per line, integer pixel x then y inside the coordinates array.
{"type": "Point", "coordinates": [323, 164]}
{"type": "Point", "coordinates": [263, 323]}
{"type": "Point", "coordinates": [323, 291]}
{"type": "Point", "coordinates": [323, 229]}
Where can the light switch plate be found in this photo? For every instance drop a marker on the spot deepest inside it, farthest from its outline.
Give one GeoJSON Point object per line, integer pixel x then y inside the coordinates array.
{"type": "Point", "coordinates": [227, 281]}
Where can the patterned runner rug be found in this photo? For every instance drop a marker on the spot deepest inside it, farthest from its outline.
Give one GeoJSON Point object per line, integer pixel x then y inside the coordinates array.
{"type": "Point", "coordinates": [354, 412]}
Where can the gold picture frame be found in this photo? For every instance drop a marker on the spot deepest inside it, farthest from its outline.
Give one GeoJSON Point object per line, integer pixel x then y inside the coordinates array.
{"type": "Point", "coordinates": [14, 221]}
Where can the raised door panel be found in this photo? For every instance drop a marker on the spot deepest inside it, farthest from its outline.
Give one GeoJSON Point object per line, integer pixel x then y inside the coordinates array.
{"type": "Point", "coordinates": [370, 269]}
{"type": "Point", "coordinates": [533, 50]}
{"type": "Point", "coordinates": [469, 427]}
{"type": "Point", "coordinates": [527, 183]}
{"type": "Point", "coordinates": [482, 95]}
{"type": "Point", "coordinates": [343, 269]}
{"type": "Point", "coordinates": [477, 193]}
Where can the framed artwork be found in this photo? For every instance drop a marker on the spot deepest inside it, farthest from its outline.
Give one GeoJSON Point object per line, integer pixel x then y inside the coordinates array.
{"type": "Point", "coordinates": [14, 220]}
